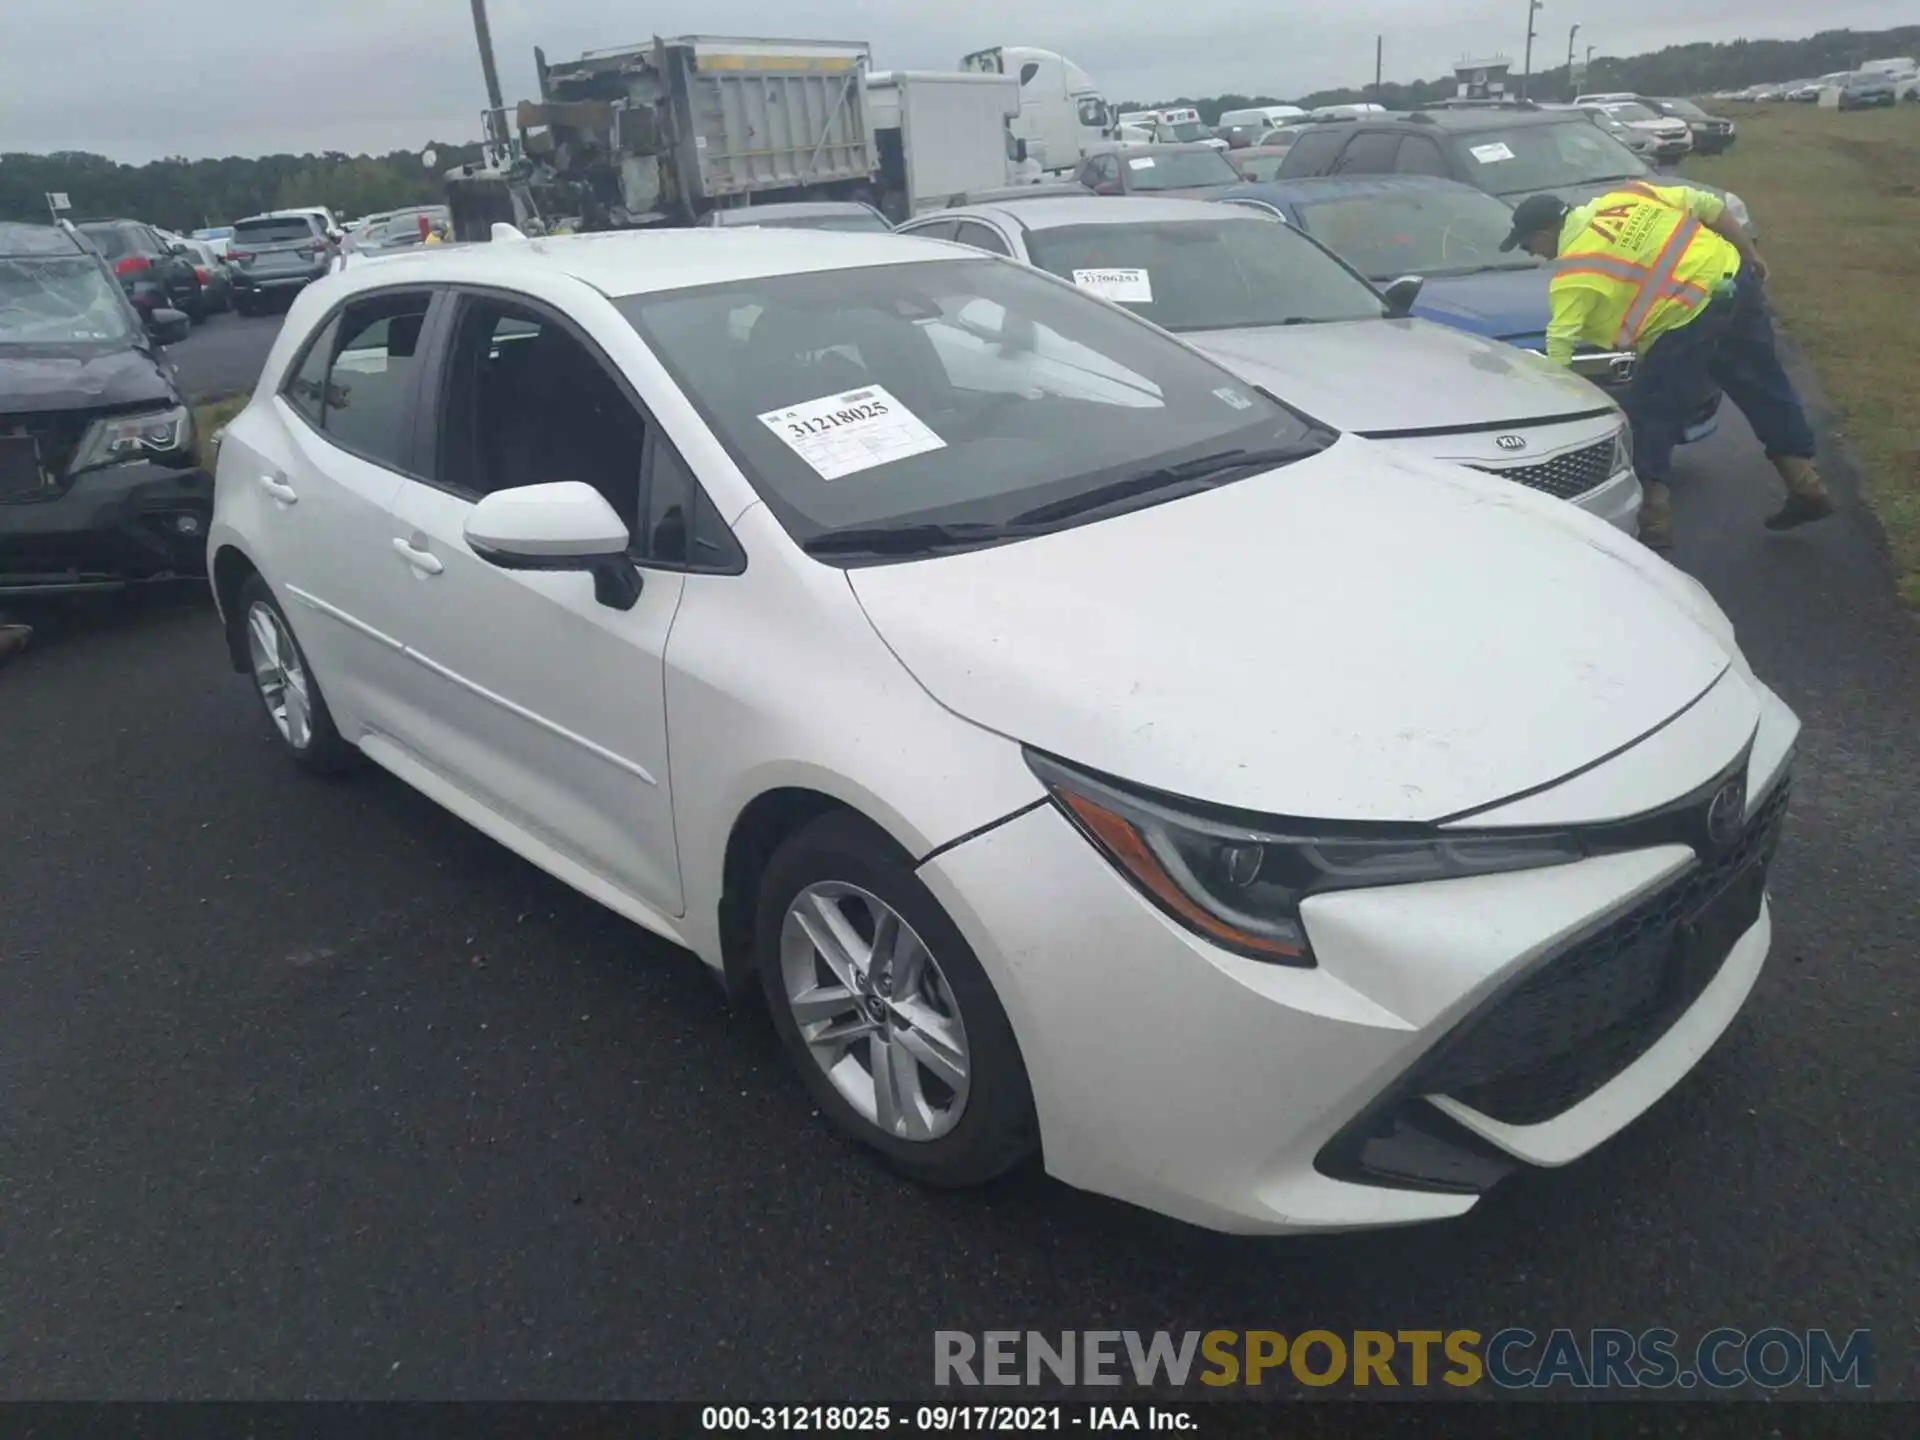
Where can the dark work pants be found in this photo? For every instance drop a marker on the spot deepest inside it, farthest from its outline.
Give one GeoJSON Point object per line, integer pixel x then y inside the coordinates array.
{"type": "Point", "coordinates": [1730, 343]}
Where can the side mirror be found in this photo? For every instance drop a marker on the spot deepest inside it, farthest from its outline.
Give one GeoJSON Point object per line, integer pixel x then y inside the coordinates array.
{"type": "Point", "coordinates": [1401, 294]}
{"type": "Point", "coordinates": [168, 327]}
{"type": "Point", "coordinates": [567, 525]}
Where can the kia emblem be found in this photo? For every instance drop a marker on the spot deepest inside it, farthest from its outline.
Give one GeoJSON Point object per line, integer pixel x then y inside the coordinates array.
{"type": "Point", "coordinates": [1511, 442]}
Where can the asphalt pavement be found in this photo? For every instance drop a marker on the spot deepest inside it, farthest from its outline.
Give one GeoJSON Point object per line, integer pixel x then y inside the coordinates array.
{"type": "Point", "coordinates": [307, 1089]}
{"type": "Point", "coordinates": [224, 353]}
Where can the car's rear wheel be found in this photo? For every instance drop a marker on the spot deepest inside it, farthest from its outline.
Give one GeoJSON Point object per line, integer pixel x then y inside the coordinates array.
{"type": "Point", "coordinates": [885, 1011]}
{"type": "Point", "coordinates": [285, 684]}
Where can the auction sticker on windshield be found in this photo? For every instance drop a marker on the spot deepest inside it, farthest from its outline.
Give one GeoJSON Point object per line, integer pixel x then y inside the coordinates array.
{"type": "Point", "coordinates": [1126, 286]}
{"type": "Point", "coordinates": [1488, 154]}
{"type": "Point", "coordinates": [1140, 162]}
{"type": "Point", "coordinates": [844, 434]}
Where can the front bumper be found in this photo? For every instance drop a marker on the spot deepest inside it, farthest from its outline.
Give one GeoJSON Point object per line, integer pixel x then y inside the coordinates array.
{"type": "Point", "coordinates": [109, 528]}
{"type": "Point", "coordinates": [1255, 1098]}
{"type": "Point", "coordinates": [1569, 460]}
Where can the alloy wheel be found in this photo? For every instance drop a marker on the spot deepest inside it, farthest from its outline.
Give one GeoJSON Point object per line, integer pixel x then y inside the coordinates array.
{"type": "Point", "coordinates": [875, 1010]}
{"type": "Point", "coordinates": [279, 674]}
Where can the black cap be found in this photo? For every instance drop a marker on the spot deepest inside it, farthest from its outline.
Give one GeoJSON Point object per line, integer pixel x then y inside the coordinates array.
{"type": "Point", "coordinates": [1534, 214]}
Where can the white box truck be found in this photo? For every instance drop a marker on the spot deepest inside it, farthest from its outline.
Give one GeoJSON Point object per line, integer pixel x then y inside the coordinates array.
{"type": "Point", "coordinates": [942, 133]}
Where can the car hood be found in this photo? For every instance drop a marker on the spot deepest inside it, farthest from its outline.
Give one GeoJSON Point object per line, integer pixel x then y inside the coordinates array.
{"type": "Point", "coordinates": [1419, 376]}
{"type": "Point", "coordinates": [1358, 636]}
{"type": "Point", "coordinates": [39, 378]}
{"type": "Point", "coordinates": [1498, 303]}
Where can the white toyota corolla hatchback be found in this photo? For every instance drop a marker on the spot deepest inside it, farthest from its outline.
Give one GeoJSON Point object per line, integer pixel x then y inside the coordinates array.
{"type": "Point", "coordinates": [1084, 752]}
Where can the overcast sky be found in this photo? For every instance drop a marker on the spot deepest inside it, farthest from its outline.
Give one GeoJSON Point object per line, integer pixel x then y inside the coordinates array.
{"type": "Point", "coordinates": [136, 81]}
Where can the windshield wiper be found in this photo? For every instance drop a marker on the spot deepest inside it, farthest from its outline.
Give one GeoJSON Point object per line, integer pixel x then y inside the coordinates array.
{"type": "Point", "coordinates": [1202, 473]}
{"type": "Point", "coordinates": [922, 539]}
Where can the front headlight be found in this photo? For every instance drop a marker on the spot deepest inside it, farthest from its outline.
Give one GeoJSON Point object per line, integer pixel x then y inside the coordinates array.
{"type": "Point", "coordinates": [1240, 883]}
{"type": "Point", "coordinates": [1622, 449]}
{"type": "Point", "coordinates": [165, 435]}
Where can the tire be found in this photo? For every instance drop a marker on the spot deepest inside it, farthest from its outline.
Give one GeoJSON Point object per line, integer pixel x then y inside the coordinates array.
{"type": "Point", "coordinates": [244, 308]}
{"type": "Point", "coordinates": [279, 669]}
{"type": "Point", "coordinates": [945, 1135]}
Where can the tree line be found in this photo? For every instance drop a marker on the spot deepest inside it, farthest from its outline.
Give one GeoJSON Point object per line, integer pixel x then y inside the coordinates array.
{"type": "Point", "coordinates": [181, 194]}
{"type": "Point", "coordinates": [1678, 70]}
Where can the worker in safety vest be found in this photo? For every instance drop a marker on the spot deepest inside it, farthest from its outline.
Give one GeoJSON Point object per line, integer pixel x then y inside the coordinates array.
{"type": "Point", "coordinates": [1666, 271]}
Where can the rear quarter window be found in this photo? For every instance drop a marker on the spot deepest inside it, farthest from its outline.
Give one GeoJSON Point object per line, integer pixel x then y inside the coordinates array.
{"type": "Point", "coordinates": [1314, 153]}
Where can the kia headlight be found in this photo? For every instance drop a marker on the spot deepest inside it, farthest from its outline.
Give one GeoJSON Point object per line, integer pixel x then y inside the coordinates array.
{"type": "Point", "coordinates": [163, 435]}
{"type": "Point", "coordinates": [1239, 881]}
{"type": "Point", "coordinates": [1622, 449]}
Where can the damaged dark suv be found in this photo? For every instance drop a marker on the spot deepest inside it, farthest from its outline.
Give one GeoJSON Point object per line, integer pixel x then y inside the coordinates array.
{"type": "Point", "coordinates": [100, 480]}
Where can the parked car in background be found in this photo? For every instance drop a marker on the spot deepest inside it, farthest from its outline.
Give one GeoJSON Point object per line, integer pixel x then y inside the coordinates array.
{"type": "Point", "coordinates": [1242, 128]}
{"type": "Point", "coordinates": [100, 480]}
{"type": "Point", "coordinates": [1259, 162]}
{"type": "Point", "coordinates": [1638, 141]}
{"type": "Point", "coordinates": [1767, 93]}
{"type": "Point", "coordinates": [216, 276]}
{"type": "Point", "coordinates": [802, 215]}
{"type": "Point", "coordinates": [1712, 135]}
{"type": "Point", "coordinates": [154, 272]}
{"type": "Point", "coordinates": [276, 256]}
{"type": "Point", "coordinates": [1156, 170]}
{"type": "Point", "coordinates": [1277, 307]}
{"type": "Point", "coordinates": [1390, 227]}
{"type": "Point", "coordinates": [1510, 153]}
{"type": "Point", "coordinates": [1251, 823]}
{"type": "Point", "coordinates": [1868, 90]}
{"type": "Point", "coordinates": [216, 236]}
{"type": "Point", "coordinates": [396, 230]}
{"type": "Point", "coordinates": [1671, 137]}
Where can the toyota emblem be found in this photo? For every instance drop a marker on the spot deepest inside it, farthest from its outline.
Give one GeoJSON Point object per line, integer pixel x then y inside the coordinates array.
{"type": "Point", "coordinates": [1511, 442]}
{"type": "Point", "coordinates": [1726, 813]}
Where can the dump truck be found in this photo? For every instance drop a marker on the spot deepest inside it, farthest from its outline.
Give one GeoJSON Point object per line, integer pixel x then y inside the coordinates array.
{"type": "Point", "coordinates": [662, 133]}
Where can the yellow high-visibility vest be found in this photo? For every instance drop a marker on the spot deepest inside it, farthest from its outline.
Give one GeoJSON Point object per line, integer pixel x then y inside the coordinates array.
{"type": "Point", "coordinates": [1652, 264]}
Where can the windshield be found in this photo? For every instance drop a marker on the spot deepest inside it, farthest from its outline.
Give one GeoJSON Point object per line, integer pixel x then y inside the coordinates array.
{"type": "Point", "coordinates": [1685, 109]}
{"type": "Point", "coordinates": [1181, 169]}
{"type": "Point", "coordinates": [1187, 130]}
{"type": "Point", "coordinates": [1237, 272]}
{"type": "Point", "coordinates": [1547, 157]}
{"type": "Point", "coordinates": [952, 392]}
{"type": "Point", "coordinates": [1631, 112]}
{"type": "Point", "coordinates": [60, 300]}
{"type": "Point", "coordinates": [274, 232]}
{"type": "Point", "coordinates": [111, 241]}
{"type": "Point", "coordinates": [1415, 232]}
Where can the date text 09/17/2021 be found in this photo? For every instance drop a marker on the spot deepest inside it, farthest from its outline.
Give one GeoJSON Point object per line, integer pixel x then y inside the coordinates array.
{"type": "Point", "coordinates": [945, 1419]}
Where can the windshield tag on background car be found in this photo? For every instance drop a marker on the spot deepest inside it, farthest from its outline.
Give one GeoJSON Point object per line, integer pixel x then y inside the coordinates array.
{"type": "Point", "coordinates": [1140, 162]}
{"type": "Point", "coordinates": [1488, 154]}
{"type": "Point", "coordinates": [1234, 398]}
{"type": "Point", "coordinates": [1126, 286]}
{"type": "Point", "coordinates": [844, 434]}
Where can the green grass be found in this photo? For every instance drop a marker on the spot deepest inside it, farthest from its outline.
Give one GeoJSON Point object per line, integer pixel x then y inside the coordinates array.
{"type": "Point", "coordinates": [1836, 199]}
{"type": "Point", "coordinates": [210, 417]}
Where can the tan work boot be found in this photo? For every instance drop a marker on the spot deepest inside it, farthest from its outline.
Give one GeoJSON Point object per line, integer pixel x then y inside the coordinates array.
{"type": "Point", "coordinates": [1656, 516]}
{"type": "Point", "coordinates": [1807, 497]}
{"type": "Point", "coordinates": [13, 639]}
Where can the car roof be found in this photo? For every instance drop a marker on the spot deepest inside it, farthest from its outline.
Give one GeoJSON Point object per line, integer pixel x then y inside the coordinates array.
{"type": "Point", "coordinates": [1309, 188]}
{"type": "Point", "coordinates": [18, 237]}
{"type": "Point", "coordinates": [747, 214]}
{"type": "Point", "coordinates": [1061, 212]}
{"type": "Point", "coordinates": [638, 262]}
{"type": "Point", "coordinates": [1171, 147]}
{"type": "Point", "coordinates": [1458, 120]}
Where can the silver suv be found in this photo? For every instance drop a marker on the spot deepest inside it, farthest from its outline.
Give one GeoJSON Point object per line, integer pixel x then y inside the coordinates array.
{"type": "Point", "coordinates": [1273, 305]}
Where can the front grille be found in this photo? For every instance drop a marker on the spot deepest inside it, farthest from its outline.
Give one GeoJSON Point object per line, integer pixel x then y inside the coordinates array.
{"type": "Point", "coordinates": [1584, 1016]}
{"type": "Point", "coordinates": [1565, 476]}
{"type": "Point", "coordinates": [58, 437]}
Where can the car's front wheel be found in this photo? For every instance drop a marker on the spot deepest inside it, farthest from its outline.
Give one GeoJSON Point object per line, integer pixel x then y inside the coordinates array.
{"type": "Point", "coordinates": [285, 684]}
{"type": "Point", "coordinates": [885, 1011]}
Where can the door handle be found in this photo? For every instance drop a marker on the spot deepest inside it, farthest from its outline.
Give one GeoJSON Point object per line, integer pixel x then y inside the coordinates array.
{"type": "Point", "coordinates": [421, 560]}
{"type": "Point", "coordinates": [277, 487]}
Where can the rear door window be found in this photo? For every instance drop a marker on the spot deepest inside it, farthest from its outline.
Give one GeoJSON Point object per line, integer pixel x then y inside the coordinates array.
{"type": "Point", "coordinates": [369, 394]}
{"type": "Point", "coordinates": [1420, 156]}
{"type": "Point", "coordinates": [1371, 153]}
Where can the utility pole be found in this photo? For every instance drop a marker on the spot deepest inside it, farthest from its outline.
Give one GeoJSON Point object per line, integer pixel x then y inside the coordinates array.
{"type": "Point", "coordinates": [1379, 50]}
{"type": "Point", "coordinates": [1572, 89]}
{"type": "Point", "coordinates": [1526, 64]}
{"type": "Point", "coordinates": [496, 126]}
